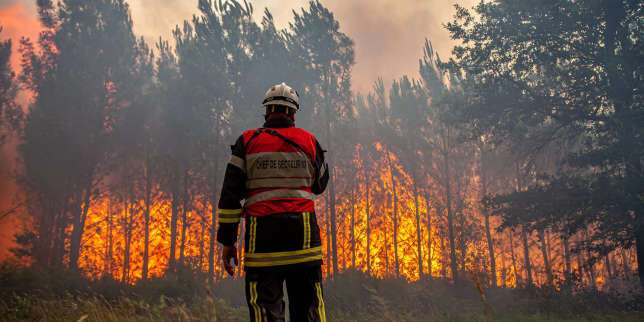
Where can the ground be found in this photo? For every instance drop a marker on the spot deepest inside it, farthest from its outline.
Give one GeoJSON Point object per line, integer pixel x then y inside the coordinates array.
{"type": "Point", "coordinates": [352, 296]}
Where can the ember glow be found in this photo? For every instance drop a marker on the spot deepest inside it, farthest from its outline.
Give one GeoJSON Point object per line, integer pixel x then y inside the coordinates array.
{"type": "Point", "coordinates": [110, 248]}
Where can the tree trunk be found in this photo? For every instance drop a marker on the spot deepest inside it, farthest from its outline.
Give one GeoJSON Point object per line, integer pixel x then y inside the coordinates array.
{"type": "Point", "coordinates": [567, 260]}
{"type": "Point", "coordinates": [184, 218]}
{"type": "Point", "coordinates": [490, 249]}
{"type": "Point", "coordinates": [331, 164]}
{"type": "Point", "coordinates": [590, 266]}
{"type": "Point", "coordinates": [327, 225]}
{"type": "Point", "coordinates": [442, 259]}
{"type": "Point", "coordinates": [429, 237]}
{"type": "Point", "coordinates": [368, 221]}
{"type": "Point", "coordinates": [419, 249]}
{"type": "Point", "coordinates": [626, 264]}
{"type": "Point", "coordinates": [60, 234]}
{"type": "Point", "coordinates": [172, 261]}
{"type": "Point", "coordinates": [202, 246]}
{"type": "Point", "coordinates": [353, 226]}
{"type": "Point", "coordinates": [580, 266]}
{"type": "Point", "coordinates": [450, 218]}
{"type": "Point", "coordinates": [80, 214]}
{"type": "Point", "coordinates": [395, 221]}
{"type": "Point", "coordinates": [394, 215]}
{"type": "Point", "coordinates": [332, 214]}
{"type": "Point", "coordinates": [503, 270]}
{"type": "Point", "coordinates": [127, 227]}
{"type": "Point", "coordinates": [146, 214]}
{"type": "Point", "coordinates": [386, 204]}
{"type": "Point", "coordinates": [526, 256]}
{"type": "Point", "coordinates": [488, 232]}
{"type": "Point", "coordinates": [107, 265]}
{"type": "Point", "coordinates": [517, 277]}
{"type": "Point", "coordinates": [44, 249]}
{"type": "Point", "coordinates": [609, 267]}
{"type": "Point", "coordinates": [546, 259]}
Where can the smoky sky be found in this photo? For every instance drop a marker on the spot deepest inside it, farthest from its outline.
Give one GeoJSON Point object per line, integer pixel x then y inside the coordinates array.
{"type": "Point", "coordinates": [388, 34]}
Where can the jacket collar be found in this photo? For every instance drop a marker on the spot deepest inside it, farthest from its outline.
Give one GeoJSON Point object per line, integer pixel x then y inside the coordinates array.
{"type": "Point", "coordinates": [281, 122]}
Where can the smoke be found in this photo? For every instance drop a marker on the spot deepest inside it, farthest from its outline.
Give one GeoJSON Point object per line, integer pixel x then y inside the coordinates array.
{"type": "Point", "coordinates": [389, 35]}
{"type": "Point", "coordinates": [18, 19]}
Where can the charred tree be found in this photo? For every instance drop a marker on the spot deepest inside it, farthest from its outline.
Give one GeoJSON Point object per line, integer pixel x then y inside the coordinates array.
{"type": "Point", "coordinates": [429, 236]}
{"type": "Point", "coordinates": [546, 258]}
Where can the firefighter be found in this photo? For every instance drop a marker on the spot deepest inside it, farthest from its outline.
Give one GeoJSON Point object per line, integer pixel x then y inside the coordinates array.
{"type": "Point", "coordinates": [277, 170]}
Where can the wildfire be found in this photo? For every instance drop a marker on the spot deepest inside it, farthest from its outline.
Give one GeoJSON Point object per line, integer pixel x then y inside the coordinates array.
{"type": "Point", "coordinates": [379, 208]}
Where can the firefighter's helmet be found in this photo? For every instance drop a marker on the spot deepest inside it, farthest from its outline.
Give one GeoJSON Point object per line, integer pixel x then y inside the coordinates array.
{"type": "Point", "coordinates": [282, 95]}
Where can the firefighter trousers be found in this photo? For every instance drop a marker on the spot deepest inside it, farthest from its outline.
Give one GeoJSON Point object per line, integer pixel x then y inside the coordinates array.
{"type": "Point", "coordinates": [265, 295]}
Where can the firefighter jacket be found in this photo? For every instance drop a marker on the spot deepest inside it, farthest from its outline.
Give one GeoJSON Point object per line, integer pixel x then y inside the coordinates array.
{"type": "Point", "coordinates": [277, 170]}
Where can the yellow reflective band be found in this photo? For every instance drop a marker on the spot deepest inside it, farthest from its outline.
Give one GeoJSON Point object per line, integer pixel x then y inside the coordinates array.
{"type": "Point", "coordinates": [230, 211]}
{"type": "Point", "coordinates": [284, 262]}
{"type": "Point", "coordinates": [321, 312]}
{"type": "Point", "coordinates": [229, 216]}
{"type": "Point", "coordinates": [229, 220]}
{"type": "Point", "coordinates": [253, 302]}
{"type": "Point", "coordinates": [283, 258]}
{"type": "Point", "coordinates": [313, 250]}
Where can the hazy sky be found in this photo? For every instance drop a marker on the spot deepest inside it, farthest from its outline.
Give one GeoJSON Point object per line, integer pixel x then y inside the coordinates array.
{"type": "Point", "coordinates": [388, 34]}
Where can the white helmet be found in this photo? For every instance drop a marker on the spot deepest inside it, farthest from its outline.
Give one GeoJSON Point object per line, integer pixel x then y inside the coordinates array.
{"type": "Point", "coordinates": [282, 94]}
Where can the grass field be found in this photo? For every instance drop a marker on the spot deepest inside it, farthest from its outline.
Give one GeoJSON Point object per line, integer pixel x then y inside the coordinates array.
{"type": "Point", "coordinates": [30, 296]}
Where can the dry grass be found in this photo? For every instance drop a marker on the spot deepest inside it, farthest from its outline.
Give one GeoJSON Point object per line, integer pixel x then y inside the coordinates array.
{"type": "Point", "coordinates": [352, 296]}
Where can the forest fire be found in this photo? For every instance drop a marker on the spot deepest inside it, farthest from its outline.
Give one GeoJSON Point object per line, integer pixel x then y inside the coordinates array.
{"type": "Point", "coordinates": [113, 243]}
{"type": "Point", "coordinates": [514, 168]}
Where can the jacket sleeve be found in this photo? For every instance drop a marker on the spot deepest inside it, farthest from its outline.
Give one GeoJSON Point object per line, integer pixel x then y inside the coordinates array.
{"type": "Point", "coordinates": [321, 171]}
{"type": "Point", "coordinates": [233, 192]}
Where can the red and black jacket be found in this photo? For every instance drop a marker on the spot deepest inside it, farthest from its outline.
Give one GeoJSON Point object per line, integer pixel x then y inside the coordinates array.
{"type": "Point", "coordinates": [277, 170]}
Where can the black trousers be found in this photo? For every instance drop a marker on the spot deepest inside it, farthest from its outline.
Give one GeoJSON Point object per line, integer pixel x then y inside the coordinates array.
{"type": "Point", "coordinates": [265, 296]}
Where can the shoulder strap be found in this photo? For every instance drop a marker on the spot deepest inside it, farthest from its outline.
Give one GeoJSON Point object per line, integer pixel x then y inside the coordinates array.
{"type": "Point", "coordinates": [279, 135]}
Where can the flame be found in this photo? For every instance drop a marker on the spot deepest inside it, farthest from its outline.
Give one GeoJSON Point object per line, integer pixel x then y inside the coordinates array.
{"type": "Point", "coordinates": [105, 239]}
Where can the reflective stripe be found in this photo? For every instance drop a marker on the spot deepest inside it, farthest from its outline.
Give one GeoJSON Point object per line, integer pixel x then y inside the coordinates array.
{"type": "Point", "coordinates": [256, 312]}
{"type": "Point", "coordinates": [321, 312]}
{"type": "Point", "coordinates": [229, 216]}
{"type": "Point", "coordinates": [229, 211]}
{"type": "Point", "coordinates": [283, 258]}
{"type": "Point", "coordinates": [238, 162]}
{"type": "Point", "coordinates": [279, 183]}
{"type": "Point", "coordinates": [229, 220]}
{"type": "Point", "coordinates": [253, 235]}
{"type": "Point", "coordinates": [279, 193]}
{"type": "Point", "coordinates": [307, 230]}
{"type": "Point", "coordinates": [279, 165]}
{"type": "Point", "coordinates": [252, 158]}
{"type": "Point", "coordinates": [323, 169]}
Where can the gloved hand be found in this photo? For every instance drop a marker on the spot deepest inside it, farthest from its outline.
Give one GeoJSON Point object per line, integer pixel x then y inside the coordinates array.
{"type": "Point", "coordinates": [228, 253]}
